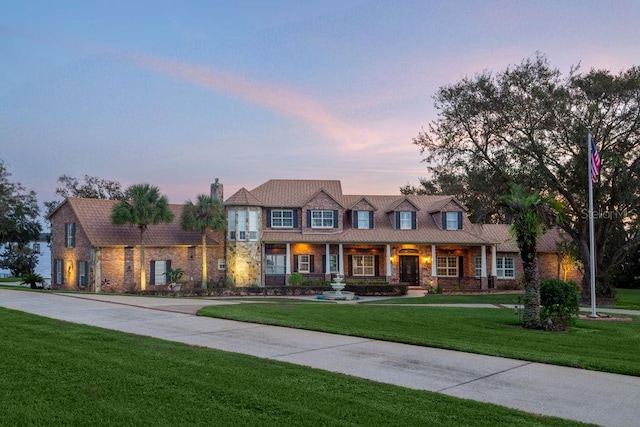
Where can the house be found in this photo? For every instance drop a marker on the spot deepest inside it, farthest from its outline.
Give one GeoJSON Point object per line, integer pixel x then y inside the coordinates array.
{"type": "Point", "coordinates": [310, 227]}
{"type": "Point", "coordinates": [89, 252]}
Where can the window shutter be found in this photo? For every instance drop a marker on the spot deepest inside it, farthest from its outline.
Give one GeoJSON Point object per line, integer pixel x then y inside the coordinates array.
{"type": "Point", "coordinates": [444, 220]}
{"type": "Point", "coordinates": [295, 218]}
{"type": "Point", "coordinates": [397, 220]}
{"type": "Point", "coordinates": [355, 219]}
{"type": "Point", "coordinates": [376, 263]}
{"type": "Point", "coordinates": [324, 264]}
{"type": "Point", "coordinates": [55, 271]}
{"type": "Point", "coordinates": [73, 235]}
{"type": "Point", "coordinates": [459, 220]}
{"type": "Point", "coordinates": [350, 265]}
{"type": "Point", "coordinates": [62, 274]}
{"type": "Point", "coordinates": [335, 218]}
{"type": "Point", "coordinates": [311, 264]}
{"type": "Point", "coordinates": [152, 273]}
{"type": "Point", "coordinates": [295, 263]}
{"type": "Point", "coordinates": [460, 266]}
{"type": "Point", "coordinates": [414, 225]}
{"type": "Point", "coordinates": [269, 218]}
{"type": "Point", "coordinates": [308, 218]}
{"type": "Point", "coordinates": [370, 219]}
{"type": "Point", "coordinates": [168, 265]}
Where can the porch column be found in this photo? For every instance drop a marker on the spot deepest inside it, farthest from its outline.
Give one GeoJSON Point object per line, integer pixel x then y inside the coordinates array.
{"type": "Point", "coordinates": [388, 267]}
{"type": "Point", "coordinates": [483, 267]}
{"type": "Point", "coordinates": [434, 267]}
{"type": "Point", "coordinates": [341, 259]}
{"type": "Point", "coordinates": [287, 264]}
{"type": "Point", "coordinates": [327, 261]}
{"type": "Point", "coordinates": [494, 263]}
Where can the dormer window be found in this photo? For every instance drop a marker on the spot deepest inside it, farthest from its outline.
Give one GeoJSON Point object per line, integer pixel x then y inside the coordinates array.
{"type": "Point", "coordinates": [362, 219]}
{"type": "Point", "coordinates": [282, 218]}
{"type": "Point", "coordinates": [322, 218]}
{"type": "Point", "coordinates": [452, 220]}
{"type": "Point", "coordinates": [406, 220]}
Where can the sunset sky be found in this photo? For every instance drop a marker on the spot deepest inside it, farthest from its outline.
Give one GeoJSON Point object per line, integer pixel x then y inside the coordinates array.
{"type": "Point", "coordinates": [177, 93]}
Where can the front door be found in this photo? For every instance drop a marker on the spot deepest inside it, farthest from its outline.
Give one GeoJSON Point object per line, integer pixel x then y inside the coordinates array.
{"type": "Point", "coordinates": [409, 270]}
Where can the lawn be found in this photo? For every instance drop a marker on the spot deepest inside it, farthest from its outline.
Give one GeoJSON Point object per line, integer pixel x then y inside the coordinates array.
{"type": "Point", "coordinates": [596, 345]}
{"type": "Point", "coordinates": [57, 373]}
{"type": "Point", "coordinates": [510, 298]}
{"type": "Point", "coordinates": [628, 299]}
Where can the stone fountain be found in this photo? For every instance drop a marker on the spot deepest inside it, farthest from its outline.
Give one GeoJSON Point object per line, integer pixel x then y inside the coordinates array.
{"type": "Point", "coordinates": [337, 294]}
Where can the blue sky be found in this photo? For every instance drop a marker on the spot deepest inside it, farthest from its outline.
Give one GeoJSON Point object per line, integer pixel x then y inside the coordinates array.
{"type": "Point", "coordinates": [177, 93]}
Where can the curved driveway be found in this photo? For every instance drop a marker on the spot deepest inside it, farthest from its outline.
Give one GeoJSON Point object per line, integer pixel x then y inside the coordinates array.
{"type": "Point", "coordinates": [588, 396]}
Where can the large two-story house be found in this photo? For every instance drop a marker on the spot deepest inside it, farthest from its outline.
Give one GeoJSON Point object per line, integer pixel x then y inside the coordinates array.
{"type": "Point", "coordinates": [310, 227]}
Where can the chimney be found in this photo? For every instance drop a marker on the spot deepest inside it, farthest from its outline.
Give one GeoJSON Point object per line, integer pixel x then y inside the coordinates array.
{"type": "Point", "coordinates": [217, 191]}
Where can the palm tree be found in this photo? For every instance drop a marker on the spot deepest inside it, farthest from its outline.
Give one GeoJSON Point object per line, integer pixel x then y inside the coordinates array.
{"type": "Point", "coordinates": [206, 214]}
{"type": "Point", "coordinates": [530, 212]}
{"type": "Point", "coordinates": [143, 206]}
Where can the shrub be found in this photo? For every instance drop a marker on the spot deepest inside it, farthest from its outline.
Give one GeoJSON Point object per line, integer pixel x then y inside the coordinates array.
{"type": "Point", "coordinates": [560, 304]}
{"type": "Point", "coordinates": [296, 279]}
{"type": "Point", "coordinates": [34, 280]}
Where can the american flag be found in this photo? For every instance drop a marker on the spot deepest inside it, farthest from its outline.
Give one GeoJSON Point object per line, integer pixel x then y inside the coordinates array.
{"type": "Point", "coordinates": [595, 162]}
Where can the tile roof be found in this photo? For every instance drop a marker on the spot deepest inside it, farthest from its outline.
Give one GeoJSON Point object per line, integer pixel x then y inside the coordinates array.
{"type": "Point", "coordinates": [243, 197]}
{"type": "Point", "coordinates": [94, 216]}
{"type": "Point", "coordinates": [292, 193]}
{"type": "Point", "coordinates": [501, 233]}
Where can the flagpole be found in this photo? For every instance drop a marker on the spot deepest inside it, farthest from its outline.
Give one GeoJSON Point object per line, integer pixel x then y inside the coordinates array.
{"type": "Point", "coordinates": [592, 251]}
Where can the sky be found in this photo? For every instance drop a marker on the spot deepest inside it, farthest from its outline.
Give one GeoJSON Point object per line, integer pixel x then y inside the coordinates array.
{"type": "Point", "coordinates": [177, 93]}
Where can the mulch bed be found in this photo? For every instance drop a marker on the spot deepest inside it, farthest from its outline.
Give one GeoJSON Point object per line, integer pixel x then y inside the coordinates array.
{"type": "Point", "coordinates": [606, 318]}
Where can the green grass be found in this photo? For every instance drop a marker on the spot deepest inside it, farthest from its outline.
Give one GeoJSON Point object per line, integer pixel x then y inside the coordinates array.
{"type": "Point", "coordinates": [628, 299]}
{"type": "Point", "coordinates": [596, 345]}
{"type": "Point", "coordinates": [511, 298]}
{"type": "Point", "coordinates": [56, 373]}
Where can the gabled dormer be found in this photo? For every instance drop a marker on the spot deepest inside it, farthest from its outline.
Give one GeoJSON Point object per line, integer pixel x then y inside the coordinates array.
{"type": "Point", "coordinates": [448, 214]}
{"type": "Point", "coordinates": [322, 212]}
{"type": "Point", "coordinates": [362, 214]}
{"type": "Point", "coordinates": [404, 214]}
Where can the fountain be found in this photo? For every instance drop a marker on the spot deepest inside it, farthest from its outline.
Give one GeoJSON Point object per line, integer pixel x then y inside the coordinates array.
{"type": "Point", "coordinates": [337, 294]}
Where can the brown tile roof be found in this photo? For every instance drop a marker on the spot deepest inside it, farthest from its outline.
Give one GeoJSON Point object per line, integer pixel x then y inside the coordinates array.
{"type": "Point", "coordinates": [94, 216]}
{"type": "Point", "coordinates": [293, 193]}
{"type": "Point", "coordinates": [243, 197]}
{"type": "Point", "coordinates": [502, 233]}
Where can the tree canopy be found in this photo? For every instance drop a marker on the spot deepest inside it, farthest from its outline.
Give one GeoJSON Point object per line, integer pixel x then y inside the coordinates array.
{"type": "Point", "coordinates": [529, 124]}
{"type": "Point", "coordinates": [92, 187]}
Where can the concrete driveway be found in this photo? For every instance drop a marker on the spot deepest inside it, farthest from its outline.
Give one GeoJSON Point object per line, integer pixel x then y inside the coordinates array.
{"type": "Point", "coordinates": [588, 396]}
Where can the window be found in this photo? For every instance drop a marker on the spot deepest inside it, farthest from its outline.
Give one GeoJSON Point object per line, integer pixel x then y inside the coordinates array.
{"type": "Point", "coordinates": [333, 263]}
{"type": "Point", "coordinates": [477, 262]}
{"type": "Point", "coordinates": [58, 271]}
{"type": "Point", "coordinates": [363, 219]}
{"type": "Point", "coordinates": [452, 220]}
{"type": "Point", "coordinates": [505, 268]}
{"type": "Point", "coordinates": [36, 248]}
{"type": "Point", "coordinates": [405, 220]}
{"type": "Point", "coordinates": [304, 264]}
{"type": "Point", "coordinates": [281, 218]}
{"type": "Point", "coordinates": [83, 276]}
{"type": "Point", "coordinates": [363, 265]}
{"type": "Point", "coordinates": [253, 225]}
{"type": "Point", "coordinates": [322, 219]}
{"type": "Point", "coordinates": [159, 272]}
{"type": "Point", "coordinates": [70, 235]}
{"type": "Point", "coordinates": [447, 266]}
{"type": "Point", "coordinates": [275, 264]}
{"type": "Point", "coordinates": [242, 225]}
{"type": "Point", "coordinates": [222, 265]}
{"type": "Point", "coordinates": [231, 219]}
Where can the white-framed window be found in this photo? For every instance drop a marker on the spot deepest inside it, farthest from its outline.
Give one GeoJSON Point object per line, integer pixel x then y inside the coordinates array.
{"type": "Point", "coordinates": [505, 268]}
{"type": "Point", "coordinates": [452, 221]}
{"type": "Point", "coordinates": [405, 220]}
{"type": "Point", "coordinates": [363, 219]}
{"type": "Point", "coordinates": [304, 263]}
{"type": "Point", "coordinates": [231, 223]}
{"type": "Point", "coordinates": [477, 263]}
{"type": "Point", "coordinates": [447, 266]}
{"type": "Point", "coordinates": [70, 235]}
{"type": "Point", "coordinates": [159, 272]}
{"type": "Point", "coordinates": [253, 225]}
{"type": "Point", "coordinates": [222, 265]}
{"type": "Point", "coordinates": [275, 264]}
{"type": "Point", "coordinates": [282, 218]}
{"type": "Point", "coordinates": [242, 225]}
{"type": "Point", "coordinates": [333, 263]}
{"type": "Point", "coordinates": [363, 265]}
{"type": "Point", "coordinates": [322, 219]}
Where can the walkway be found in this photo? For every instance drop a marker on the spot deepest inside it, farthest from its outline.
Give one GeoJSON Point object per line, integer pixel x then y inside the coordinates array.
{"type": "Point", "coordinates": [588, 396]}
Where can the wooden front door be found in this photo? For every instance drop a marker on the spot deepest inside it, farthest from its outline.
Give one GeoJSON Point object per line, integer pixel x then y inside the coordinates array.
{"type": "Point", "coordinates": [409, 270]}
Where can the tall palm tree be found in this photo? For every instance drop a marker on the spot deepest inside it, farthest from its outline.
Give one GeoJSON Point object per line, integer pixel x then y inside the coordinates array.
{"type": "Point", "coordinates": [206, 214]}
{"type": "Point", "coordinates": [531, 213]}
{"type": "Point", "coordinates": [143, 206]}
